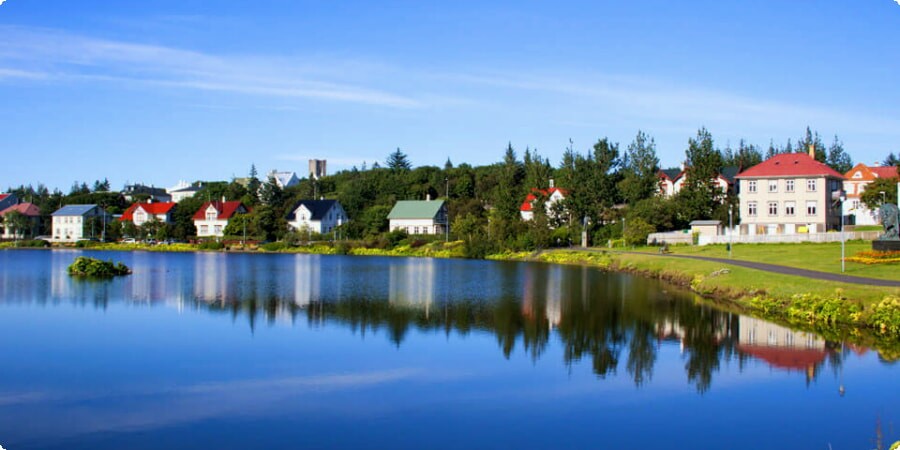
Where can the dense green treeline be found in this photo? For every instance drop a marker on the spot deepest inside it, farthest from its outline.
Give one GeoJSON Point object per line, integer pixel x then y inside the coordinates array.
{"type": "Point", "coordinates": [612, 193]}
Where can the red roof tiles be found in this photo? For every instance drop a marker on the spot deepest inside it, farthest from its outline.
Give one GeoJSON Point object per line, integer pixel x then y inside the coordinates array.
{"type": "Point", "coordinates": [885, 171]}
{"type": "Point", "coordinates": [149, 208]}
{"type": "Point", "coordinates": [29, 209]}
{"type": "Point", "coordinates": [530, 198]}
{"type": "Point", "coordinates": [788, 165]}
{"type": "Point", "coordinates": [225, 209]}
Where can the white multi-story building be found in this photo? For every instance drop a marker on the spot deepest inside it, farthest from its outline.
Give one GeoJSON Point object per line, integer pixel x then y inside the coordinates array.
{"type": "Point", "coordinates": [73, 222]}
{"type": "Point", "coordinates": [317, 216]}
{"type": "Point", "coordinates": [856, 180]}
{"type": "Point", "coordinates": [182, 191]}
{"type": "Point", "coordinates": [212, 218]}
{"type": "Point", "coordinates": [789, 193]}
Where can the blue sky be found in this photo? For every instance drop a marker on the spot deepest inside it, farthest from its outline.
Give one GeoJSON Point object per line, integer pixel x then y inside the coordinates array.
{"type": "Point", "coordinates": [159, 91]}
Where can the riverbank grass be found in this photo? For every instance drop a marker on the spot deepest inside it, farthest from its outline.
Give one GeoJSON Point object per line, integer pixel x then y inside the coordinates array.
{"type": "Point", "coordinates": [822, 257]}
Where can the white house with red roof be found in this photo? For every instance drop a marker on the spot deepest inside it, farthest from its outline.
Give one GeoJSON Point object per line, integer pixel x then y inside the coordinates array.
{"type": "Point", "coordinates": [789, 193]}
{"type": "Point", "coordinates": [551, 196]}
{"type": "Point", "coordinates": [212, 218]}
{"type": "Point", "coordinates": [30, 211]}
{"type": "Point", "coordinates": [141, 213]}
{"type": "Point", "coordinates": [671, 181]}
{"type": "Point", "coordinates": [856, 180]}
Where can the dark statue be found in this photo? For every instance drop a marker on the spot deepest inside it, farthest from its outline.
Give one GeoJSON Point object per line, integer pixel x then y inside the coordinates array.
{"type": "Point", "coordinates": [890, 219]}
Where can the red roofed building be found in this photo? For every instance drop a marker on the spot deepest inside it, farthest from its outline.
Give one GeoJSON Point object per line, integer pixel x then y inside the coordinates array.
{"type": "Point", "coordinates": [212, 218]}
{"type": "Point", "coordinates": [790, 193]}
{"type": "Point", "coordinates": [855, 184]}
{"type": "Point", "coordinates": [551, 196]}
{"type": "Point", "coordinates": [141, 213]}
{"type": "Point", "coordinates": [30, 211]}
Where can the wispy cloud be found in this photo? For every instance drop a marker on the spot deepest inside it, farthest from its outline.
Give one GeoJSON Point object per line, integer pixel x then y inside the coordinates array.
{"type": "Point", "coordinates": [56, 55]}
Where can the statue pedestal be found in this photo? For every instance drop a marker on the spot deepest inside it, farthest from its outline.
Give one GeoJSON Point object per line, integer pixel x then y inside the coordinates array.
{"type": "Point", "coordinates": [886, 245]}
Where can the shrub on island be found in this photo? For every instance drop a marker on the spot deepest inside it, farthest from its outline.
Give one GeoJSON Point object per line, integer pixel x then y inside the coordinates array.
{"type": "Point", "coordinates": [92, 267]}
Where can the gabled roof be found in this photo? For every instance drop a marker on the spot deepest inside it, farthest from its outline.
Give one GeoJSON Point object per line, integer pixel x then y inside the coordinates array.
{"type": "Point", "coordinates": [29, 209]}
{"type": "Point", "coordinates": [316, 208]}
{"type": "Point", "coordinates": [284, 178]}
{"type": "Point", "coordinates": [225, 209]}
{"type": "Point", "coordinates": [3, 196]}
{"type": "Point", "coordinates": [74, 210]}
{"type": "Point", "coordinates": [729, 172]}
{"type": "Point", "coordinates": [672, 174]}
{"type": "Point", "coordinates": [530, 198]}
{"type": "Point", "coordinates": [150, 208]}
{"type": "Point", "coordinates": [788, 165]}
{"type": "Point", "coordinates": [416, 209]}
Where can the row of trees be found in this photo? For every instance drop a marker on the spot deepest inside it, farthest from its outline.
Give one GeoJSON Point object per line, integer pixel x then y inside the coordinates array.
{"type": "Point", "coordinates": [612, 190]}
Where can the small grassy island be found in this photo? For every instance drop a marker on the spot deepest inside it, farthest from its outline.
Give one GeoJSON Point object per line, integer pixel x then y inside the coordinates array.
{"type": "Point", "coordinates": [95, 268]}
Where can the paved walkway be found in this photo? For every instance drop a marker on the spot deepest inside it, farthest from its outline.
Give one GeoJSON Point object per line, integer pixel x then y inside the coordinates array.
{"type": "Point", "coordinates": [813, 274]}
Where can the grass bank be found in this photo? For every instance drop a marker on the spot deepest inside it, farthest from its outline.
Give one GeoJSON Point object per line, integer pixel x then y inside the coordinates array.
{"type": "Point", "coordinates": [822, 257]}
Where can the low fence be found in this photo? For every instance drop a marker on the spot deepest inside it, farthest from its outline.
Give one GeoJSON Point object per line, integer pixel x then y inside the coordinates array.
{"type": "Point", "coordinates": [671, 238]}
{"type": "Point", "coordinates": [681, 237]}
{"type": "Point", "coordinates": [790, 238]}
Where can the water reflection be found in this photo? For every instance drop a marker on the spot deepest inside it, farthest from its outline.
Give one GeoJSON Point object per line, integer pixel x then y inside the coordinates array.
{"type": "Point", "coordinates": [616, 323]}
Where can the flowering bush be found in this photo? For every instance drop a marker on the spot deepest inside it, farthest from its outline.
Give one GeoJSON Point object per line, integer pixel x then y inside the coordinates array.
{"type": "Point", "coordinates": [875, 257]}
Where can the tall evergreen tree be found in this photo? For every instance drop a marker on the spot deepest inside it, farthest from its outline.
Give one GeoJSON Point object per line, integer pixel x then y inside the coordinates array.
{"type": "Point", "coordinates": [640, 169]}
{"type": "Point", "coordinates": [838, 159]}
{"type": "Point", "coordinates": [398, 161]}
{"type": "Point", "coordinates": [813, 139]}
{"type": "Point", "coordinates": [700, 195]}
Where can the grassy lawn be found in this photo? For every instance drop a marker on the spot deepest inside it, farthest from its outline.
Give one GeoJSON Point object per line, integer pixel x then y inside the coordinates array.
{"type": "Point", "coordinates": [824, 257]}
{"type": "Point", "coordinates": [743, 279]}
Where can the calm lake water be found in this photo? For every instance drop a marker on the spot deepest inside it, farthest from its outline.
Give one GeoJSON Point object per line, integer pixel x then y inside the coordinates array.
{"type": "Point", "coordinates": [297, 351]}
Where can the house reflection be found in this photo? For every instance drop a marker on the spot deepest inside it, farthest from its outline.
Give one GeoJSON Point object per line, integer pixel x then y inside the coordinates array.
{"type": "Point", "coordinates": [307, 279]}
{"type": "Point", "coordinates": [782, 348]}
{"type": "Point", "coordinates": [412, 283]}
{"type": "Point", "coordinates": [210, 277]}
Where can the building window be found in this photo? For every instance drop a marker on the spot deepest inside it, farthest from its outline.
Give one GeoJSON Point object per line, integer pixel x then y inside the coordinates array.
{"type": "Point", "coordinates": [210, 215]}
{"type": "Point", "coordinates": [789, 208]}
{"type": "Point", "coordinates": [811, 185]}
{"type": "Point", "coordinates": [218, 229]}
{"type": "Point", "coordinates": [751, 209]}
{"type": "Point", "coordinates": [204, 229]}
{"type": "Point", "coordinates": [811, 208]}
{"type": "Point", "coordinates": [751, 186]}
{"type": "Point", "coordinates": [773, 185]}
{"type": "Point", "coordinates": [789, 185]}
{"type": "Point", "coordinates": [773, 208]}
{"type": "Point", "coordinates": [415, 230]}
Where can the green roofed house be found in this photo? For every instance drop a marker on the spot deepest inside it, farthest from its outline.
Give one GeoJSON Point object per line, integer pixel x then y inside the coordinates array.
{"type": "Point", "coordinates": [419, 216]}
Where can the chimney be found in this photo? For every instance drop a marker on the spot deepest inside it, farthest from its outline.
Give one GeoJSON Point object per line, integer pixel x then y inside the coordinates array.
{"type": "Point", "coordinates": [427, 197]}
{"type": "Point", "coordinates": [551, 183]}
{"type": "Point", "coordinates": [683, 165]}
{"type": "Point", "coordinates": [223, 199]}
{"type": "Point", "coordinates": [812, 151]}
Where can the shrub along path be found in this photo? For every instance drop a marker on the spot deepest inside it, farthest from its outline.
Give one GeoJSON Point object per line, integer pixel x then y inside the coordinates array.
{"type": "Point", "coordinates": [785, 270]}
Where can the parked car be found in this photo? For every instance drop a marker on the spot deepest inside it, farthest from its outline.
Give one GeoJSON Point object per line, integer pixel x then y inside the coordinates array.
{"type": "Point", "coordinates": [129, 241]}
{"type": "Point", "coordinates": [150, 241]}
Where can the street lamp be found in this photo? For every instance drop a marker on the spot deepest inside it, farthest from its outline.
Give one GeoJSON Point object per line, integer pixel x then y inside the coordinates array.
{"type": "Point", "coordinates": [730, 229]}
{"type": "Point", "coordinates": [843, 199]}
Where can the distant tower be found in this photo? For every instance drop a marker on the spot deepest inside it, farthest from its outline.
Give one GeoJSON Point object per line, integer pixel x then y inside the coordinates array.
{"type": "Point", "coordinates": [317, 168]}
